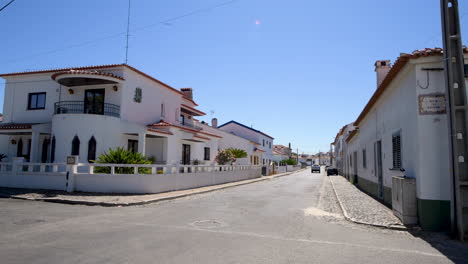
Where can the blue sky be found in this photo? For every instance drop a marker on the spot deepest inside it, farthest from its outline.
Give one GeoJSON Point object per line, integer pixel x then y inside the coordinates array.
{"type": "Point", "coordinates": [297, 70]}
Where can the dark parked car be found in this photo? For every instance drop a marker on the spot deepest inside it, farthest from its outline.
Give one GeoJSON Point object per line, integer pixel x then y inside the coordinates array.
{"type": "Point", "coordinates": [315, 168]}
{"type": "Point", "coordinates": [332, 171]}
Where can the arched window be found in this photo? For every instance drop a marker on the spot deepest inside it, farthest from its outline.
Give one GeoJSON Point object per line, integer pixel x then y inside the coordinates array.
{"type": "Point", "coordinates": [45, 150]}
{"type": "Point", "coordinates": [75, 146]}
{"type": "Point", "coordinates": [19, 149]}
{"type": "Point", "coordinates": [92, 149]}
{"type": "Point", "coordinates": [52, 150]}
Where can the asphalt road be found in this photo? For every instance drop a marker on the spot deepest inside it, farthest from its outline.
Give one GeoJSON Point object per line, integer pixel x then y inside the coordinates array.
{"type": "Point", "coordinates": [291, 219]}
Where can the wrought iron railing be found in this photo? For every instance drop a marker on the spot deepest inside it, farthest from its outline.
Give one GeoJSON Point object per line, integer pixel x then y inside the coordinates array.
{"type": "Point", "coordinates": [80, 107]}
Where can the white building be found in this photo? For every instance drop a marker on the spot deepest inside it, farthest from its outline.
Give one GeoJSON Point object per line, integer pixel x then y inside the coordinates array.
{"type": "Point", "coordinates": [51, 114]}
{"type": "Point", "coordinates": [404, 126]}
{"type": "Point", "coordinates": [264, 141]}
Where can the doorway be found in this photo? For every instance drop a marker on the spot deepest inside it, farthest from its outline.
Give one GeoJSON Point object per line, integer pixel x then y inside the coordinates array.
{"type": "Point", "coordinates": [94, 101]}
{"type": "Point", "coordinates": [185, 154]}
{"type": "Point", "coordinates": [45, 150]}
{"type": "Point", "coordinates": [378, 167]}
{"type": "Point", "coordinates": [355, 168]}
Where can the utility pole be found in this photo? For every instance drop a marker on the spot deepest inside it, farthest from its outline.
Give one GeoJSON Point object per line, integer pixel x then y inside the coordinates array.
{"type": "Point", "coordinates": [456, 90]}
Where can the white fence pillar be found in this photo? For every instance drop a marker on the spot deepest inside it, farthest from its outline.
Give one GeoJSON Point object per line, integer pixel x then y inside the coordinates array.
{"type": "Point", "coordinates": [17, 163]}
{"type": "Point", "coordinates": [72, 167]}
{"type": "Point", "coordinates": [34, 146]}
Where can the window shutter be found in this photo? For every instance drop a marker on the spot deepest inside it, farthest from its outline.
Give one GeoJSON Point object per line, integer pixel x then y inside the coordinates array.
{"type": "Point", "coordinates": [396, 145]}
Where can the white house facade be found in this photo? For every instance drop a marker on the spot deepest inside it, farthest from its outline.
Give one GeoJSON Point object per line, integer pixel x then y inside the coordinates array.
{"type": "Point", "coordinates": [263, 141]}
{"type": "Point", "coordinates": [51, 114]}
{"type": "Point", "coordinates": [397, 132]}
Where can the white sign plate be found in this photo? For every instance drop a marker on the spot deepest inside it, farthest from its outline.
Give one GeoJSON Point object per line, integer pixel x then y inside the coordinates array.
{"type": "Point", "coordinates": [432, 104]}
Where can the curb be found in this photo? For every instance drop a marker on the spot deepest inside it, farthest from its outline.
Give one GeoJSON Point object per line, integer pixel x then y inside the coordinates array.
{"type": "Point", "coordinates": [107, 204]}
{"type": "Point", "coordinates": [350, 219]}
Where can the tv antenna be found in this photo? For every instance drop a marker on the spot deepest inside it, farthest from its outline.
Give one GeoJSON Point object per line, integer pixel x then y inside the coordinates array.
{"type": "Point", "coordinates": [128, 32]}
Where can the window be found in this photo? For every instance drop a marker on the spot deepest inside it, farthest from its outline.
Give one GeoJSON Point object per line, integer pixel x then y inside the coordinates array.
{"type": "Point", "coordinates": [263, 142]}
{"type": "Point", "coordinates": [364, 159]}
{"type": "Point", "coordinates": [36, 101]}
{"type": "Point", "coordinates": [396, 149]}
{"type": "Point", "coordinates": [207, 154]}
{"type": "Point", "coordinates": [92, 150]}
{"type": "Point", "coordinates": [163, 110]}
{"type": "Point", "coordinates": [75, 146]}
{"type": "Point", "coordinates": [182, 119]}
{"type": "Point", "coordinates": [133, 145]}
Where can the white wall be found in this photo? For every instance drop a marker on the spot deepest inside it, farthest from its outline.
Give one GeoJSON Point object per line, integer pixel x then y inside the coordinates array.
{"type": "Point", "coordinates": [17, 88]}
{"type": "Point", "coordinates": [421, 135]}
{"type": "Point", "coordinates": [230, 140]}
{"type": "Point", "coordinates": [158, 182]}
{"type": "Point", "coordinates": [253, 136]}
{"type": "Point", "coordinates": [108, 132]}
{"type": "Point", "coordinates": [153, 95]}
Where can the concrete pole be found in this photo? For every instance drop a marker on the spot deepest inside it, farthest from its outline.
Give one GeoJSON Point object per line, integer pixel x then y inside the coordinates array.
{"type": "Point", "coordinates": [142, 143]}
{"type": "Point", "coordinates": [34, 146]}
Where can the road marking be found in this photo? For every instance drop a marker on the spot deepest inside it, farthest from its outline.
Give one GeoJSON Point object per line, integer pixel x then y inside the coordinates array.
{"type": "Point", "coordinates": [303, 240]}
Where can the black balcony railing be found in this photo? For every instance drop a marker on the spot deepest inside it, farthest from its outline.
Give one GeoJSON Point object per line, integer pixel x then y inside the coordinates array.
{"type": "Point", "coordinates": [80, 107]}
{"type": "Point", "coordinates": [189, 125]}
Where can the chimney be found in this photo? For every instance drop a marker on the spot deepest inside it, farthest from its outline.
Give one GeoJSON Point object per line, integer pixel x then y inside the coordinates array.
{"type": "Point", "coordinates": [214, 122]}
{"type": "Point", "coordinates": [187, 92]}
{"type": "Point", "coordinates": [382, 67]}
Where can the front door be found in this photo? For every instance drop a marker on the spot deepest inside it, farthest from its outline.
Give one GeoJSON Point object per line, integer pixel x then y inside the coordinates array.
{"type": "Point", "coordinates": [378, 166]}
{"type": "Point", "coordinates": [94, 101]}
{"type": "Point", "coordinates": [185, 154]}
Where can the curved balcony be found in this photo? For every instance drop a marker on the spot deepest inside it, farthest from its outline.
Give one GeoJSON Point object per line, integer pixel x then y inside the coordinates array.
{"type": "Point", "coordinates": [81, 107]}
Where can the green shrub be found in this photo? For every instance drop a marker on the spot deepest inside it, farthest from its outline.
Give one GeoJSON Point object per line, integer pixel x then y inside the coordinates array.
{"type": "Point", "coordinates": [237, 153]}
{"type": "Point", "coordinates": [122, 156]}
{"type": "Point", "coordinates": [289, 162]}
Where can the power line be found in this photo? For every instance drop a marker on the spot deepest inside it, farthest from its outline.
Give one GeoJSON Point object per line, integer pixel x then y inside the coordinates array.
{"type": "Point", "coordinates": [5, 6]}
{"type": "Point", "coordinates": [165, 22]}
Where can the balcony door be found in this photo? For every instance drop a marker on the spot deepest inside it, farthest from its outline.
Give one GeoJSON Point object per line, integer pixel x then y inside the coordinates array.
{"type": "Point", "coordinates": [94, 101]}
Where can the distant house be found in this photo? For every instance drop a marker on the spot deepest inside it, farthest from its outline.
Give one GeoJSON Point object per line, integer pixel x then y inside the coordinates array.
{"type": "Point", "coordinates": [280, 153]}
{"type": "Point", "coordinates": [264, 142]}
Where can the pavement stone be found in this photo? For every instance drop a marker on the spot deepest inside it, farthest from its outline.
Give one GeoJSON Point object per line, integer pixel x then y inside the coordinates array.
{"type": "Point", "coordinates": [106, 199]}
{"type": "Point", "coordinates": [361, 208]}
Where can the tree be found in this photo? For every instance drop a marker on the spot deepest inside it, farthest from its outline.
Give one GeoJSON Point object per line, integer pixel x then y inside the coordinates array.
{"type": "Point", "coordinates": [224, 156]}
{"type": "Point", "coordinates": [122, 156]}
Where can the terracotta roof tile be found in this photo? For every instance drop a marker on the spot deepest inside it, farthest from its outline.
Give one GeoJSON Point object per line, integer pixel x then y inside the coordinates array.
{"type": "Point", "coordinates": [72, 71]}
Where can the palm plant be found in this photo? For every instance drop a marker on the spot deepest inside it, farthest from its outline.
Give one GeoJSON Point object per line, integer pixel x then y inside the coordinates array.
{"type": "Point", "coordinates": [237, 153]}
{"type": "Point", "coordinates": [122, 156]}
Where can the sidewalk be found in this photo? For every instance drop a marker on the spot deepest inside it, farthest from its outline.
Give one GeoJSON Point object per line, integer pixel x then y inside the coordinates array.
{"type": "Point", "coordinates": [106, 199]}
{"type": "Point", "coordinates": [358, 207]}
